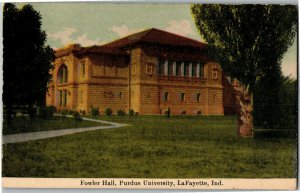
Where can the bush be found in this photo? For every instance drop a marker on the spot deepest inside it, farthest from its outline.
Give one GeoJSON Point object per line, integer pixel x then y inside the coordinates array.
{"type": "Point", "coordinates": [47, 112]}
{"type": "Point", "coordinates": [52, 108]}
{"type": "Point", "coordinates": [71, 112]}
{"type": "Point", "coordinates": [131, 112]}
{"type": "Point", "coordinates": [95, 111]}
{"type": "Point", "coordinates": [108, 111]}
{"type": "Point", "coordinates": [65, 112]}
{"type": "Point", "coordinates": [121, 112]}
{"type": "Point", "coordinates": [76, 116]}
{"type": "Point", "coordinates": [82, 112]}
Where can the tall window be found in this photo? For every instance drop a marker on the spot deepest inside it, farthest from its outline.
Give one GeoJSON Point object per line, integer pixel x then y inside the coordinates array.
{"type": "Point", "coordinates": [181, 69]}
{"type": "Point", "coordinates": [160, 68]}
{"type": "Point", "coordinates": [190, 69]}
{"type": "Point", "coordinates": [194, 69]}
{"type": "Point", "coordinates": [82, 69]}
{"type": "Point", "coordinates": [62, 74]}
{"type": "Point", "coordinates": [178, 68]}
{"type": "Point", "coordinates": [174, 69]}
{"type": "Point", "coordinates": [186, 69]}
{"type": "Point", "coordinates": [201, 70]}
{"type": "Point", "coordinates": [62, 97]}
{"type": "Point", "coordinates": [166, 96]}
{"type": "Point", "coordinates": [166, 67]}
{"type": "Point", "coordinates": [215, 73]}
{"type": "Point", "coordinates": [170, 68]}
{"type": "Point", "coordinates": [198, 97]}
{"type": "Point", "coordinates": [182, 97]}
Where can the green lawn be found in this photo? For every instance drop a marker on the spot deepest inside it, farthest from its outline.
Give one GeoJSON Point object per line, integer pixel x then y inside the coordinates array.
{"type": "Point", "coordinates": [155, 147]}
{"type": "Point", "coordinates": [25, 124]}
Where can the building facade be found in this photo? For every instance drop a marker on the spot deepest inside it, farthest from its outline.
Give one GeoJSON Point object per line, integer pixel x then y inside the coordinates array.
{"type": "Point", "coordinates": [150, 72]}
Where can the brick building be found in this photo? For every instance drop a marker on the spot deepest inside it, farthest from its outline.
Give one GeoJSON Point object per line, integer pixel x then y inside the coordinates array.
{"type": "Point", "coordinates": [148, 72]}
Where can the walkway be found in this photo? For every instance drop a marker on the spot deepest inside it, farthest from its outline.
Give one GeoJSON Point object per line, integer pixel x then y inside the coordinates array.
{"type": "Point", "coordinates": [22, 137]}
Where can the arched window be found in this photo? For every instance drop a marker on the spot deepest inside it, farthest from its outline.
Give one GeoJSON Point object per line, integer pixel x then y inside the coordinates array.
{"type": "Point", "coordinates": [62, 75]}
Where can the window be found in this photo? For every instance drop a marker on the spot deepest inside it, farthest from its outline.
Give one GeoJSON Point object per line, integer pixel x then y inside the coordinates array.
{"type": "Point", "coordinates": [120, 95]}
{"type": "Point", "coordinates": [201, 70]}
{"type": "Point", "coordinates": [81, 97]}
{"type": "Point", "coordinates": [166, 96]}
{"type": "Point", "coordinates": [64, 97]}
{"type": "Point", "coordinates": [60, 97]}
{"type": "Point", "coordinates": [170, 68]}
{"type": "Point", "coordinates": [82, 69]}
{"type": "Point", "coordinates": [166, 67]}
{"type": "Point", "coordinates": [62, 94]}
{"type": "Point", "coordinates": [198, 97]}
{"type": "Point", "coordinates": [62, 74]}
{"type": "Point", "coordinates": [182, 97]}
{"type": "Point", "coordinates": [194, 69]}
{"type": "Point", "coordinates": [186, 69]}
{"type": "Point", "coordinates": [215, 73]}
{"type": "Point", "coordinates": [160, 68]}
{"type": "Point", "coordinates": [149, 95]}
{"type": "Point", "coordinates": [190, 69]}
{"type": "Point", "coordinates": [174, 69]}
{"type": "Point", "coordinates": [182, 69]}
{"type": "Point", "coordinates": [178, 67]}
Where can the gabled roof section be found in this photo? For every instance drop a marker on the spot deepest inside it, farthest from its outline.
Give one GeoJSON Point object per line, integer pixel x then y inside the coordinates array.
{"type": "Point", "coordinates": [155, 36]}
{"type": "Point", "coordinates": [78, 50]}
{"type": "Point", "coordinates": [102, 50]}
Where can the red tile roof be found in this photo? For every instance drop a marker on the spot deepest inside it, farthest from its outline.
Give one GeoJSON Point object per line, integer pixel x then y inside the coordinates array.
{"type": "Point", "coordinates": [156, 36]}
{"type": "Point", "coordinates": [102, 50]}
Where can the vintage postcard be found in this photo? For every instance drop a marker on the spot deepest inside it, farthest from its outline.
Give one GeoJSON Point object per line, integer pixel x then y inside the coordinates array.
{"type": "Point", "coordinates": [150, 96]}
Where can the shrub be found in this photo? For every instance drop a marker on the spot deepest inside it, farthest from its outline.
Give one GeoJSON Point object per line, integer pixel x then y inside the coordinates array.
{"type": "Point", "coordinates": [131, 112]}
{"type": "Point", "coordinates": [52, 108]}
{"type": "Point", "coordinates": [47, 112]}
{"type": "Point", "coordinates": [108, 111]}
{"type": "Point", "coordinates": [76, 116]}
{"type": "Point", "coordinates": [32, 112]}
{"type": "Point", "coordinates": [82, 112]}
{"type": "Point", "coordinates": [121, 112]}
{"type": "Point", "coordinates": [64, 112]}
{"type": "Point", "coordinates": [95, 111]}
{"type": "Point", "coordinates": [71, 112]}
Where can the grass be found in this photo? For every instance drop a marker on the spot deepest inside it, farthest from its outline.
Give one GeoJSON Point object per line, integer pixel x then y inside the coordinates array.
{"type": "Point", "coordinates": [25, 124]}
{"type": "Point", "coordinates": [155, 147]}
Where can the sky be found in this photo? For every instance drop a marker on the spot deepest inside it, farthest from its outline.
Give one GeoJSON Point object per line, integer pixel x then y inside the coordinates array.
{"type": "Point", "coordinates": [98, 23]}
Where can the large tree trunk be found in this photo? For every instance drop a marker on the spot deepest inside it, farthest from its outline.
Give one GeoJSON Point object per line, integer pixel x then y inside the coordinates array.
{"type": "Point", "coordinates": [245, 116]}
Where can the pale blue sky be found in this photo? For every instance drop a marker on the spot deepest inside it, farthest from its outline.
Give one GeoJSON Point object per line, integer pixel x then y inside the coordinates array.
{"type": "Point", "coordinates": [97, 23]}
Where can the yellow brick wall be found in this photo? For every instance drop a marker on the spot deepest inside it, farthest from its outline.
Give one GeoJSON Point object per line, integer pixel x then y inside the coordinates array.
{"type": "Point", "coordinates": [143, 91]}
{"type": "Point", "coordinates": [108, 96]}
{"type": "Point", "coordinates": [190, 105]}
{"type": "Point", "coordinates": [210, 89]}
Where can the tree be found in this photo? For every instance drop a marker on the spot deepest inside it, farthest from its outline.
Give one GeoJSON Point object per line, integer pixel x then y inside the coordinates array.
{"type": "Point", "coordinates": [278, 110]}
{"type": "Point", "coordinates": [26, 58]}
{"type": "Point", "coordinates": [248, 41]}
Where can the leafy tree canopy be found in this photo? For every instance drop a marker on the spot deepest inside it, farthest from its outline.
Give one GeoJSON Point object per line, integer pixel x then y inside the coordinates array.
{"type": "Point", "coordinates": [26, 58]}
{"type": "Point", "coordinates": [247, 40]}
